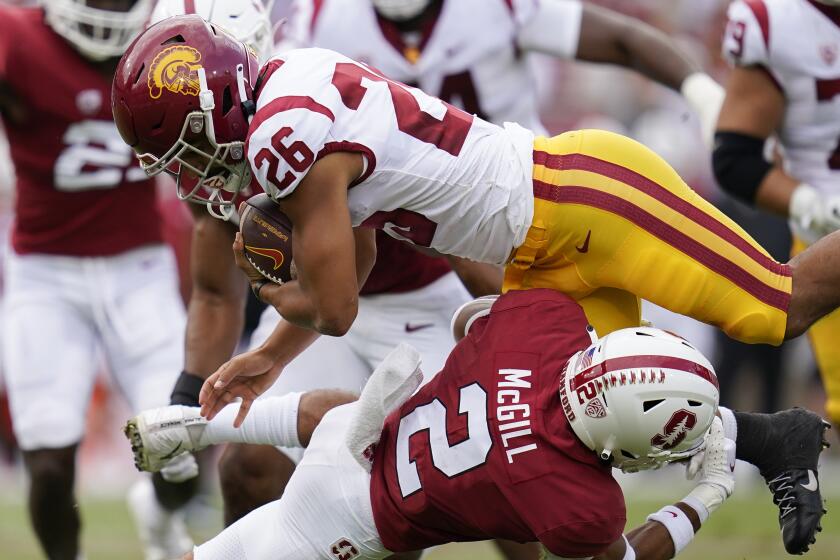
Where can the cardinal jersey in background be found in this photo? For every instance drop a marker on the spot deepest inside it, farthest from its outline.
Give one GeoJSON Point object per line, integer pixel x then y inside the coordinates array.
{"type": "Point", "coordinates": [80, 191]}
{"type": "Point", "coordinates": [434, 175]}
{"type": "Point", "coordinates": [467, 53]}
{"type": "Point", "coordinates": [798, 43]}
{"type": "Point", "coordinates": [484, 449]}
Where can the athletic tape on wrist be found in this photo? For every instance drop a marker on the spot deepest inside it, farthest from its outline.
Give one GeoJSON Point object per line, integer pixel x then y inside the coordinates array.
{"type": "Point", "coordinates": [678, 525]}
{"type": "Point", "coordinates": [698, 506]}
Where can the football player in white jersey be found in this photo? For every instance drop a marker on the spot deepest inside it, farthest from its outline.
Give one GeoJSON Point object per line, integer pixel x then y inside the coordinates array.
{"type": "Point", "coordinates": [338, 146]}
{"type": "Point", "coordinates": [475, 53]}
{"type": "Point", "coordinates": [785, 83]}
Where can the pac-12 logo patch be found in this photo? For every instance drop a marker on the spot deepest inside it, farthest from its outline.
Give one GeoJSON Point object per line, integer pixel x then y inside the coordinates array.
{"type": "Point", "coordinates": [595, 408]}
{"type": "Point", "coordinates": [175, 69]}
{"type": "Point", "coordinates": [675, 430]}
{"type": "Point", "coordinates": [343, 549]}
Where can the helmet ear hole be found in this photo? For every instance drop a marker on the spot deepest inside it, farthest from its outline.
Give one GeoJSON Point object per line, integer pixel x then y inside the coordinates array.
{"type": "Point", "coordinates": [648, 405]}
{"type": "Point", "coordinates": [694, 403]}
{"type": "Point", "coordinates": [175, 39]}
{"type": "Point", "coordinates": [227, 101]}
{"type": "Point", "coordinates": [139, 72]}
{"type": "Point", "coordinates": [627, 455]}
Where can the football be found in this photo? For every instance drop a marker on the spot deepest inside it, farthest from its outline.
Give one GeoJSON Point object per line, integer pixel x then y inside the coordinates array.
{"type": "Point", "coordinates": [267, 234]}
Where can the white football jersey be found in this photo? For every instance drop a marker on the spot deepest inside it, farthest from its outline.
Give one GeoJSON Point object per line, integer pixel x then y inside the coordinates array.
{"type": "Point", "coordinates": [798, 43]}
{"type": "Point", "coordinates": [435, 175]}
{"type": "Point", "coordinates": [473, 54]}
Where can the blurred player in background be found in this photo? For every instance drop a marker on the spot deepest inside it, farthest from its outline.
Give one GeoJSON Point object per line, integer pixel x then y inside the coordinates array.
{"type": "Point", "coordinates": [785, 83]}
{"type": "Point", "coordinates": [544, 410]}
{"type": "Point", "coordinates": [87, 272]}
{"type": "Point", "coordinates": [474, 54]}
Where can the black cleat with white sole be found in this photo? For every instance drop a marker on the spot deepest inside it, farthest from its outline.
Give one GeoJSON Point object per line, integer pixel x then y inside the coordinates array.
{"type": "Point", "coordinates": [797, 437]}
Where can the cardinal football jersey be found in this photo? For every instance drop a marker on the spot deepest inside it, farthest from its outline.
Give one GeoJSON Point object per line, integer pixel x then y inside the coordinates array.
{"type": "Point", "coordinates": [80, 191]}
{"type": "Point", "coordinates": [467, 52]}
{"type": "Point", "coordinates": [484, 450]}
{"type": "Point", "coordinates": [798, 43]}
{"type": "Point", "coordinates": [435, 175]}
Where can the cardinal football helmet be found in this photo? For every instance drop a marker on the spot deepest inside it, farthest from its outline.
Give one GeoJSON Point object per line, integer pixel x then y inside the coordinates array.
{"type": "Point", "coordinates": [246, 20]}
{"type": "Point", "coordinates": [182, 98]}
{"type": "Point", "coordinates": [400, 10]}
{"type": "Point", "coordinates": [97, 33]}
{"type": "Point", "coordinates": [640, 397]}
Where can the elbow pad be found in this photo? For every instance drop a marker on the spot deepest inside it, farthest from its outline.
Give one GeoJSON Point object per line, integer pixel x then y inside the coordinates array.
{"type": "Point", "coordinates": [739, 164]}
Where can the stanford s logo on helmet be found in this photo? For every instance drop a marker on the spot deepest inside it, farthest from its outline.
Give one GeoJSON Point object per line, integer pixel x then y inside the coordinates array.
{"type": "Point", "coordinates": [176, 69]}
{"type": "Point", "coordinates": [640, 398]}
{"type": "Point", "coordinates": [181, 99]}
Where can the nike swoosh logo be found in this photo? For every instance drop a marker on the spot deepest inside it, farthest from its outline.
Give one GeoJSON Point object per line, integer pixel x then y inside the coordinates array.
{"type": "Point", "coordinates": [174, 451]}
{"type": "Point", "coordinates": [672, 513]}
{"type": "Point", "coordinates": [585, 247]}
{"type": "Point", "coordinates": [411, 328]}
{"type": "Point", "coordinates": [812, 485]}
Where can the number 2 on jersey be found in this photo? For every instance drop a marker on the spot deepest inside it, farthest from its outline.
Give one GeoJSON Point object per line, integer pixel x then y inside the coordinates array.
{"type": "Point", "coordinates": [448, 134]}
{"type": "Point", "coordinates": [451, 460]}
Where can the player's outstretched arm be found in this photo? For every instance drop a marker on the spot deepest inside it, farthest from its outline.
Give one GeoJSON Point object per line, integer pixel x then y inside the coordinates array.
{"type": "Point", "coordinates": [669, 530]}
{"type": "Point", "coordinates": [332, 260]}
{"type": "Point", "coordinates": [607, 36]}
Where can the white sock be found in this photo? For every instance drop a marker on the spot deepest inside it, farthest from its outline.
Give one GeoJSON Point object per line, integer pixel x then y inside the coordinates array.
{"type": "Point", "coordinates": [271, 421]}
{"type": "Point", "coordinates": [730, 426]}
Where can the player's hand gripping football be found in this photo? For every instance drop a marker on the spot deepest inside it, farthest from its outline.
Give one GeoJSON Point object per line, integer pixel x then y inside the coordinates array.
{"type": "Point", "coordinates": [246, 377]}
{"type": "Point", "coordinates": [242, 261]}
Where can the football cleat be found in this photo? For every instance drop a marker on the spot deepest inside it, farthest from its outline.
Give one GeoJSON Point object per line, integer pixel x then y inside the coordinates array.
{"type": "Point", "coordinates": [798, 440]}
{"type": "Point", "coordinates": [160, 434]}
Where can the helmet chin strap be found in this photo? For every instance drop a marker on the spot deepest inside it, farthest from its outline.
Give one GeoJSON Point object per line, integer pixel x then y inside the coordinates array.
{"type": "Point", "coordinates": [248, 105]}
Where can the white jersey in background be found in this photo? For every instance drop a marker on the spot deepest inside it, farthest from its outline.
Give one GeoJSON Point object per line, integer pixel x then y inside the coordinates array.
{"type": "Point", "coordinates": [435, 175]}
{"type": "Point", "coordinates": [799, 46]}
{"type": "Point", "coordinates": [472, 53]}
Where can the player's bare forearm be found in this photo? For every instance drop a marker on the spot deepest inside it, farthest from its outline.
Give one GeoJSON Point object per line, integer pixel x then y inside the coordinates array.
{"type": "Point", "coordinates": [610, 37]}
{"type": "Point", "coordinates": [650, 541]}
{"type": "Point", "coordinates": [299, 306]}
{"type": "Point", "coordinates": [754, 107]}
{"type": "Point", "coordinates": [215, 313]}
{"type": "Point", "coordinates": [324, 244]}
{"type": "Point", "coordinates": [480, 279]}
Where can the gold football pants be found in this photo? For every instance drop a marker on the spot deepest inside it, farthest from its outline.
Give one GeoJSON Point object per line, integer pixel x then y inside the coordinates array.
{"type": "Point", "coordinates": [613, 223]}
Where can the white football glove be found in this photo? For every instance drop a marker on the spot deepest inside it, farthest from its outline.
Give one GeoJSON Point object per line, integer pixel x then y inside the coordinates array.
{"type": "Point", "coordinates": [813, 215]}
{"type": "Point", "coordinates": [705, 96]}
{"type": "Point", "coordinates": [715, 466]}
{"type": "Point", "coordinates": [181, 468]}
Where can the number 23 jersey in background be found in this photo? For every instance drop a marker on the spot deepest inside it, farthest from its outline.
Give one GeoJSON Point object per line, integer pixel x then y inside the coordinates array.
{"type": "Point", "coordinates": [484, 449]}
{"type": "Point", "coordinates": [79, 189]}
{"type": "Point", "coordinates": [434, 175]}
{"type": "Point", "coordinates": [798, 43]}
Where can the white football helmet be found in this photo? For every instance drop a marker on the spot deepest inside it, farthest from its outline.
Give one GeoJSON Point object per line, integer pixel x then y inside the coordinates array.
{"type": "Point", "coordinates": [246, 20]}
{"type": "Point", "coordinates": [400, 10]}
{"type": "Point", "coordinates": [97, 33]}
{"type": "Point", "coordinates": [642, 397]}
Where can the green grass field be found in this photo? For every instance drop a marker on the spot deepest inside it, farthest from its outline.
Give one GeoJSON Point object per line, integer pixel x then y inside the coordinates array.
{"type": "Point", "coordinates": [744, 528]}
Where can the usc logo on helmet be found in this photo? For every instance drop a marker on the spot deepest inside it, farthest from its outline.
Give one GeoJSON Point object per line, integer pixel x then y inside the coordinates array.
{"type": "Point", "coordinates": [175, 68]}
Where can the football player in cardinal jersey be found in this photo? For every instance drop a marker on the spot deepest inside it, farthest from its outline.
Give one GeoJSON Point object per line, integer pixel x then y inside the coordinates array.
{"type": "Point", "coordinates": [475, 53]}
{"type": "Point", "coordinates": [345, 150]}
{"type": "Point", "coordinates": [514, 438]}
{"type": "Point", "coordinates": [87, 274]}
{"type": "Point", "coordinates": [785, 82]}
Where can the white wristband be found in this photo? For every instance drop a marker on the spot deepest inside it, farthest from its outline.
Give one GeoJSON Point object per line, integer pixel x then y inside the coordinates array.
{"type": "Point", "coordinates": [678, 525]}
{"type": "Point", "coordinates": [698, 506]}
